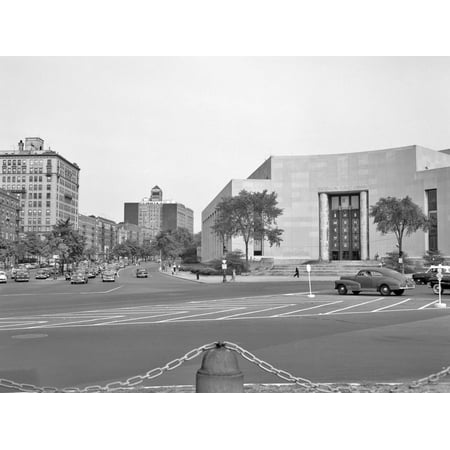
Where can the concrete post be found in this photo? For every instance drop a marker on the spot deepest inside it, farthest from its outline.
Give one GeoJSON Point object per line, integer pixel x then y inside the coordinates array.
{"type": "Point", "coordinates": [324, 224]}
{"type": "Point", "coordinates": [219, 372]}
{"type": "Point", "coordinates": [364, 222]}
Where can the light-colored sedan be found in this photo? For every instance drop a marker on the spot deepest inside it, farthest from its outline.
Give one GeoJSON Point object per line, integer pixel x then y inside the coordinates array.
{"type": "Point", "coordinates": [3, 277]}
{"type": "Point", "coordinates": [108, 275]}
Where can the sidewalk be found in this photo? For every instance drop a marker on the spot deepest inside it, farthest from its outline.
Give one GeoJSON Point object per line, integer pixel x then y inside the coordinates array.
{"type": "Point", "coordinates": [217, 279]}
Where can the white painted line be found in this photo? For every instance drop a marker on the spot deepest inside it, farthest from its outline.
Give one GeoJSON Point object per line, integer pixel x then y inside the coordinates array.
{"type": "Point", "coordinates": [23, 324]}
{"type": "Point", "coordinates": [429, 304]}
{"type": "Point", "coordinates": [138, 318]}
{"type": "Point", "coordinates": [390, 306]}
{"type": "Point", "coordinates": [252, 312]}
{"type": "Point", "coordinates": [306, 309]}
{"type": "Point", "coordinates": [198, 315]}
{"type": "Point", "coordinates": [354, 306]}
{"type": "Point", "coordinates": [63, 324]}
{"type": "Point", "coordinates": [296, 293]}
{"type": "Point", "coordinates": [102, 292]}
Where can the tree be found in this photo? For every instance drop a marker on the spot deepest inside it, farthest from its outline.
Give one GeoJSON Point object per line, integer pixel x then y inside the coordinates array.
{"type": "Point", "coordinates": [66, 242]}
{"type": "Point", "coordinates": [167, 245]}
{"type": "Point", "coordinates": [399, 216]}
{"type": "Point", "coordinates": [251, 215]}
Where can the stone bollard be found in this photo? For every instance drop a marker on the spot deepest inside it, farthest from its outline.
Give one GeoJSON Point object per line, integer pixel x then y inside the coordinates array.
{"type": "Point", "coordinates": [219, 372]}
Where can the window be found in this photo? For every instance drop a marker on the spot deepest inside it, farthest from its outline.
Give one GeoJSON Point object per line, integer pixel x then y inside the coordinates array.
{"type": "Point", "coordinates": [431, 195]}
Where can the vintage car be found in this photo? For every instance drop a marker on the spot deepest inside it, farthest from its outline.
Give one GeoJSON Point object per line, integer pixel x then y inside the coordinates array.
{"type": "Point", "coordinates": [379, 279]}
{"type": "Point", "coordinates": [108, 275]}
{"type": "Point", "coordinates": [22, 275]}
{"type": "Point", "coordinates": [41, 274]}
{"type": "Point", "coordinates": [445, 283]}
{"type": "Point", "coordinates": [79, 277]}
{"type": "Point", "coordinates": [141, 273]}
{"type": "Point", "coordinates": [425, 277]}
{"type": "Point", "coordinates": [3, 277]}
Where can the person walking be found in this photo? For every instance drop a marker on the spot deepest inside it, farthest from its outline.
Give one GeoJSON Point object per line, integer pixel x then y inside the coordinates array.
{"type": "Point", "coordinates": [297, 273]}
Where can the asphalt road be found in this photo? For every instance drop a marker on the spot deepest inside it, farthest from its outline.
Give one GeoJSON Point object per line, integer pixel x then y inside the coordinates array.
{"type": "Point", "coordinates": [53, 333]}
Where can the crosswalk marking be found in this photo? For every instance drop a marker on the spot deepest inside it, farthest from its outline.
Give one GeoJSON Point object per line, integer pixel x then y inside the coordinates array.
{"type": "Point", "coordinates": [266, 307]}
{"type": "Point", "coordinates": [253, 312]}
{"type": "Point", "coordinates": [354, 306]}
{"type": "Point", "coordinates": [307, 309]}
{"type": "Point", "coordinates": [390, 306]}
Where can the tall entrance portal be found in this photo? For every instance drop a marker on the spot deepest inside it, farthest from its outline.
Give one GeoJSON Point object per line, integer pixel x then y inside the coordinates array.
{"type": "Point", "coordinates": [344, 227]}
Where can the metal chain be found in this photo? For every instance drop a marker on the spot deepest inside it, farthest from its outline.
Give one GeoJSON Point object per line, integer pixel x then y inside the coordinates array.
{"type": "Point", "coordinates": [131, 382]}
{"type": "Point", "coordinates": [433, 378]}
{"type": "Point", "coordinates": [116, 385]}
{"type": "Point", "coordinates": [305, 383]}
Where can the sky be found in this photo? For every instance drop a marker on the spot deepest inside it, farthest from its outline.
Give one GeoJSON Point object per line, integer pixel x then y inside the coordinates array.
{"type": "Point", "coordinates": [191, 124]}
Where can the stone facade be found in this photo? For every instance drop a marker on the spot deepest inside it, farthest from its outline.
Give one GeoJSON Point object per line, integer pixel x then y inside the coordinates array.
{"type": "Point", "coordinates": [317, 193]}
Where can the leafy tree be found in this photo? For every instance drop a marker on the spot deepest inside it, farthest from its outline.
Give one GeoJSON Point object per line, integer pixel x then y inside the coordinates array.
{"type": "Point", "coordinates": [34, 245]}
{"type": "Point", "coordinates": [66, 242]}
{"type": "Point", "coordinates": [251, 215]}
{"type": "Point", "coordinates": [7, 251]}
{"type": "Point", "coordinates": [90, 253]}
{"type": "Point", "coordinates": [167, 245]}
{"type": "Point", "coordinates": [399, 216]}
{"type": "Point", "coordinates": [171, 244]}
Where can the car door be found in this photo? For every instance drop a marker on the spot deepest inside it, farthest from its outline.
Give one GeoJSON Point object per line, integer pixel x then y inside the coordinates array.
{"type": "Point", "coordinates": [364, 279]}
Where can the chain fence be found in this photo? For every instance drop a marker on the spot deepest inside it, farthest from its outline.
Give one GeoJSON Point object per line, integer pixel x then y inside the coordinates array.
{"type": "Point", "coordinates": [130, 383]}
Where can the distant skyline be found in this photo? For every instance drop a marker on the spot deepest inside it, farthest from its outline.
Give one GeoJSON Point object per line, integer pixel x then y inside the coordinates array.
{"type": "Point", "coordinates": [191, 124]}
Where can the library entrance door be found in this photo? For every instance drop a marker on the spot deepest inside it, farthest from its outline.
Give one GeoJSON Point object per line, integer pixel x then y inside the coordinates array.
{"type": "Point", "coordinates": [345, 227]}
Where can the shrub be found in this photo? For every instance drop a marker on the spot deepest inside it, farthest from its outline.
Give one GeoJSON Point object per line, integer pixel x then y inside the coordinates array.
{"type": "Point", "coordinates": [433, 258]}
{"type": "Point", "coordinates": [391, 262]}
{"type": "Point", "coordinates": [208, 271]}
{"type": "Point", "coordinates": [234, 261]}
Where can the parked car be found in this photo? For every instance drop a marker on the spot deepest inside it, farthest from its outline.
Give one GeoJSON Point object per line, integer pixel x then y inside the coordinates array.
{"type": "Point", "coordinates": [22, 275]}
{"type": "Point", "coordinates": [3, 277]}
{"type": "Point", "coordinates": [108, 275]}
{"type": "Point", "coordinates": [79, 277]}
{"type": "Point", "coordinates": [91, 274]}
{"type": "Point", "coordinates": [141, 273]}
{"type": "Point", "coordinates": [425, 277]}
{"type": "Point", "coordinates": [41, 274]}
{"type": "Point", "coordinates": [445, 283]}
{"type": "Point", "coordinates": [68, 276]}
{"type": "Point", "coordinates": [380, 279]}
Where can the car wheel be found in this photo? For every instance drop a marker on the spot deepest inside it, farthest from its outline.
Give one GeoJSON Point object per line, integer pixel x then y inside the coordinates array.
{"type": "Point", "coordinates": [342, 290]}
{"type": "Point", "coordinates": [436, 289]}
{"type": "Point", "coordinates": [385, 290]}
{"type": "Point", "coordinates": [356, 292]}
{"type": "Point", "coordinates": [399, 291]}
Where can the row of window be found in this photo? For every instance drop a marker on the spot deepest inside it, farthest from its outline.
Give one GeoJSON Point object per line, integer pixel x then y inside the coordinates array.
{"type": "Point", "coordinates": [23, 178]}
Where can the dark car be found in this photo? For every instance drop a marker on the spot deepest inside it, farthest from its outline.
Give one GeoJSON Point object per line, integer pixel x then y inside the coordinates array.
{"type": "Point", "coordinates": [141, 273]}
{"type": "Point", "coordinates": [425, 277]}
{"type": "Point", "coordinates": [380, 279]}
{"type": "Point", "coordinates": [22, 275]}
{"type": "Point", "coordinates": [79, 277]}
{"type": "Point", "coordinates": [445, 283]}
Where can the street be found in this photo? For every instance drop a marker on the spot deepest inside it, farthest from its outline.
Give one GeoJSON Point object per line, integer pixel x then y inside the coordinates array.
{"type": "Point", "coordinates": [56, 334]}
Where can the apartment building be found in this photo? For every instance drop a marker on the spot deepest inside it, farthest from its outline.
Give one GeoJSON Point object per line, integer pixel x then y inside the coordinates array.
{"type": "Point", "coordinates": [46, 182]}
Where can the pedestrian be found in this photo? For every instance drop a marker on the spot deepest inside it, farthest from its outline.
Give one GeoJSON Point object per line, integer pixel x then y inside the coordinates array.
{"type": "Point", "coordinates": [297, 273]}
